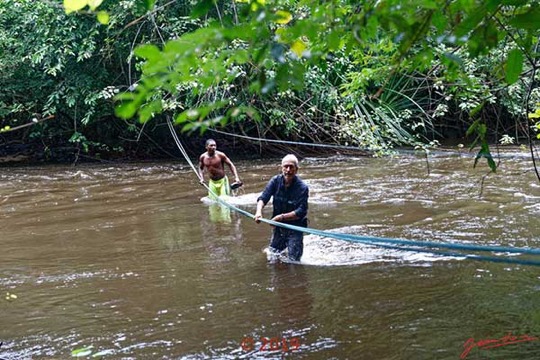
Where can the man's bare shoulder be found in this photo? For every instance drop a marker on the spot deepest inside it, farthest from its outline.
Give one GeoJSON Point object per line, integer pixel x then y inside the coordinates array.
{"type": "Point", "coordinates": [221, 154]}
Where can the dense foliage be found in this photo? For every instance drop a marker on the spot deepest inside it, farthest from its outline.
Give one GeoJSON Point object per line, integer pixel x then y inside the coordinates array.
{"type": "Point", "coordinates": [372, 74]}
{"type": "Point", "coordinates": [401, 64]}
{"type": "Point", "coordinates": [59, 74]}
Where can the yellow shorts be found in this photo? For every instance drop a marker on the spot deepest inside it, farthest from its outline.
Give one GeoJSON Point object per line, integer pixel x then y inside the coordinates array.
{"type": "Point", "coordinates": [219, 188]}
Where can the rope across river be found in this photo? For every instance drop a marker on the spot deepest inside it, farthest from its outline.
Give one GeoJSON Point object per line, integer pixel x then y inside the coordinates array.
{"type": "Point", "coordinates": [433, 247]}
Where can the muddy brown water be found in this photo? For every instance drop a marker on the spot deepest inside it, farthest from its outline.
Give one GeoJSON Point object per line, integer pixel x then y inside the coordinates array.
{"type": "Point", "coordinates": [127, 262]}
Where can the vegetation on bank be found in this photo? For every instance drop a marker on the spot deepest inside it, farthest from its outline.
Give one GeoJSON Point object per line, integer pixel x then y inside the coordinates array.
{"type": "Point", "coordinates": [101, 82]}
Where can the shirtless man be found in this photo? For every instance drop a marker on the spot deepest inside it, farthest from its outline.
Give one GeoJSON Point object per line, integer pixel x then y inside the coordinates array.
{"type": "Point", "coordinates": [213, 161]}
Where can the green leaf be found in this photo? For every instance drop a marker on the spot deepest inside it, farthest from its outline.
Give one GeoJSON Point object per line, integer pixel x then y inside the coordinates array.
{"type": "Point", "coordinates": [148, 52]}
{"type": "Point", "coordinates": [491, 163]}
{"type": "Point", "coordinates": [472, 128]}
{"type": "Point", "coordinates": [476, 110]}
{"type": "Point", "coordinates": [491, 5]}
{"type": "Point", "coordinates": [236, 112]}
{"type": "Point", "coordinates": [484, 152]}
{"type": "Point", "coordinates": [528, 20]}
{"type": "Point", "coordinates": [334, 40]}
{"type": "Point", "coordinates": [192, 126]}
{"type": "Point", "coordinates": [147, 111]}
{"type": "Point", "coordinates": [201, 8]}
{"type": "Point", "coordinates": [514, 66]}
{"type": "Point", "coordinates": [483, 38]}
{"type": "Point", "coordinates": [440, 21]}
{"type": "Point", "coordinates": [471, 22]}
{"type": "Point", "coordinates": [514, 2]}
{"type": "Point", "coordinates": [181, 118]}
{"type": "Point", "coordinates": [149, 4]}
{"type": "Point", "coordinates": [200, 113]}
{"type": "Point", "coordinates": [126, 110]}
{"type": "Point", "coordinates": [427, 4]}
{"type": "Point", "coordinates": [240, 56]}
{"type": "Point", "coordinates": [453, 59]}
{"type": "Point", "coordinates": [128, 96]}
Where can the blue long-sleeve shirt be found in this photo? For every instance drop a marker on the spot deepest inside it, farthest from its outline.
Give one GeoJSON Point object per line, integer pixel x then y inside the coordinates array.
{"type": "Point", "coordinates": [294, 198]}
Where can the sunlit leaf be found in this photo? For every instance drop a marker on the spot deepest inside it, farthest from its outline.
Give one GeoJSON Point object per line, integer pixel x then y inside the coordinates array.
{"type": "Point", "coordinates": [298, 47]}
{"type": "Point", "coordinates": [535, 115]}
{"type": "Point", "coordinates": [94, 4]}
{"type": "Point", "coordinates": [74, 5]}
{"type": "Point", "coordinates": [284, 17]}
{"type": "Point", "coordinates": [103, 17]}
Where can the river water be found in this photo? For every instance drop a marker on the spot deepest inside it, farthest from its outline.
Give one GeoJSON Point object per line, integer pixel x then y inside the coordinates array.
{"type": "Point", "coordinates": [127, 262]}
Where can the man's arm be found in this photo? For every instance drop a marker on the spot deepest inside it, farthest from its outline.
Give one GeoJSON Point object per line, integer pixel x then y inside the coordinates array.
{"type": "Point", "coordinates": [258, 212]}
{"type": "Point", "coordinates": [201, 168]}
{"type": "Point", "coordinates": [228, 161]}
{"type": "Point", "coordinates": [263, 199]}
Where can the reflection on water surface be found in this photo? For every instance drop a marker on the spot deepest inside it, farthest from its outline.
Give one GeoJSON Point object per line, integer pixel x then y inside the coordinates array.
{"type": "Point", "coordinates": [129, 261]}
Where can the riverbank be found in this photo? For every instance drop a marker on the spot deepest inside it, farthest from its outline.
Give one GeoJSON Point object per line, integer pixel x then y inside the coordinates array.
{"type": "Point", "coordinates": [235, 146]}
{"type": "Point", "coordinates": [152, 150]}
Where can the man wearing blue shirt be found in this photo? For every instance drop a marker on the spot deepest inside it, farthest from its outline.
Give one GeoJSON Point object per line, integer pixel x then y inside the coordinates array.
{"type": "Point", "coordinates": [290, 201]}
